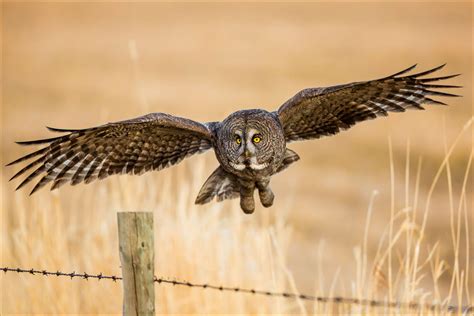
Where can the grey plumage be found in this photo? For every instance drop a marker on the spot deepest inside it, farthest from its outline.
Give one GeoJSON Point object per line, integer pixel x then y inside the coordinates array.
{"type": "Point", "coordinates": [250, 145]}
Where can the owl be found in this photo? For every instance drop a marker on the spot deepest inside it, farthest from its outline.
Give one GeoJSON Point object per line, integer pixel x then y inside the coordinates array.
{"type": "Point", "coordinates": [250, 145]}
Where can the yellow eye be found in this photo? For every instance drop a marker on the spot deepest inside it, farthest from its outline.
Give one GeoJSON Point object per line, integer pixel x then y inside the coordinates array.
{"type": "Point", "coordinates": [238, 140]}
{"type": "Point", "coordinates": [256, 139]}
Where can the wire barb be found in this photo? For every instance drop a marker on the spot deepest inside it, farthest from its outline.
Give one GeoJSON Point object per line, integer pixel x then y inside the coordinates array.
{"type": "Point", "coordinates": [465, 310]}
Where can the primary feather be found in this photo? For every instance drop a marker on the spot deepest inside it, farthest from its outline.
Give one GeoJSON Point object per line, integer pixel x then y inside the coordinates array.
{"type": "Point", "coordinates": [317, 112]}
{"type": "Point", "coordinates": [151, 142]}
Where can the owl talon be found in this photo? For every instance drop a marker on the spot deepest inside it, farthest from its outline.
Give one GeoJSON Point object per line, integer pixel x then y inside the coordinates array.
{"type": "Point", "coordinates": [266, 197]}
{"type": "Point", "coordinates": [247, 204]}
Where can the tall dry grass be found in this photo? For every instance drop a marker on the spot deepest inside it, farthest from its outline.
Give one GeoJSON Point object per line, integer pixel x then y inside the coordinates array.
{"type": "Point", "coordinates": [220, 245]}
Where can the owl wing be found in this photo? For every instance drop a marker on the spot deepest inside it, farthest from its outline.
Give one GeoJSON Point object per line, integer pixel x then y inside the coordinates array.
{"type": "Point", "coordinates": [317, 112]}
{"type": "Point", "coordinates": [151, 142]}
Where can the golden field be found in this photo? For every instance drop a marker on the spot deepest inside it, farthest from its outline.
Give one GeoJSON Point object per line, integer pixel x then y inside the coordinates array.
{"type": "Point", "coordinates": [381, 211]}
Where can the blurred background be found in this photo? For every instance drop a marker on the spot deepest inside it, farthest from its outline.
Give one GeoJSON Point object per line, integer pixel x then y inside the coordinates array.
{"type": "Point", "coordinates": [79, 65]}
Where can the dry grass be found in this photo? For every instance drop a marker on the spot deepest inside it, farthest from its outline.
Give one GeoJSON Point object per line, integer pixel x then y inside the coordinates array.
{"type": "Point", "coordinates": [219, 246]}
{"type": "Point", "coordinates": [328, 234]}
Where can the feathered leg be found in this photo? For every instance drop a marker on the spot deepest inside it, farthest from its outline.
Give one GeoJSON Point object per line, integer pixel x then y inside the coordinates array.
{"type": "Point", "coordinates": [265, 193]}
{"type": "Point", "coordinates": [247, 202]}
{"type": "Point", "coordinates": [289, 158]}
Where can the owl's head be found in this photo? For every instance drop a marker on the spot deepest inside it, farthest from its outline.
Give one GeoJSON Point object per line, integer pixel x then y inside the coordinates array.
{"type": "Point", "coordinates": [251, 139]}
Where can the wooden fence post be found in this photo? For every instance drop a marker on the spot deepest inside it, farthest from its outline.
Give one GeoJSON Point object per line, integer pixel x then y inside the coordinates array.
{"type": "Point", "coordinates": [137, 257]}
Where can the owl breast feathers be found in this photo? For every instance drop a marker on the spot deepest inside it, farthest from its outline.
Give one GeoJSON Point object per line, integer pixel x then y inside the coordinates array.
{"type": "Point", "coordinates": [250, 145]}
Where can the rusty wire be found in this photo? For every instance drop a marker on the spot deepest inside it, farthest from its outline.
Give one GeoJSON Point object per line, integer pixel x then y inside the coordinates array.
{"type": "Point", "coordinates": [335, 300]}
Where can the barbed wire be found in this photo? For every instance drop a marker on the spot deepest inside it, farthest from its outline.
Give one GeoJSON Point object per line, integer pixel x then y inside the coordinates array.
{"type": "Point", "coordinates": [335, 300]}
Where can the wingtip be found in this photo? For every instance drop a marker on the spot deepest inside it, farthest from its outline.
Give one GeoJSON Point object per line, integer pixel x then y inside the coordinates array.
{"type": "Point", "coordinates": [36, 188]}
{"type": "Point", "coordinates": [55, 186]}
{"type": "Point", "coordinates": [442, 86]}
{"type": "Point", "coordinates": [442, 94]}
{"type": "Point", "coordinates": [436, 102]}
{"type": "Point", "coordinates": [402, 71]}
{"type": "Point", "coordinates": [429, 71]}
{"type": "Point", "coordinates": [424, 80]}
{"type": "Point", "coordinates": [411, 67]}
{"type": "Point", "coordinates": [58, 130]}
{"type": "Point", "coordinates": [11, 163]}
{"type": "Point", "coordinates": [25, 142]}
{"type": "Point", "coordinates": [439, 67]}
{"type": "Point", "coordinates": [21, 185]}
{"type": "Point", "coordinates": [39, 141]}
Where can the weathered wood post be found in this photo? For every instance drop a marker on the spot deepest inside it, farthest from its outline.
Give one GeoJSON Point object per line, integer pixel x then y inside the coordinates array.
{"type": "Point", "coordinates": [137, 257]}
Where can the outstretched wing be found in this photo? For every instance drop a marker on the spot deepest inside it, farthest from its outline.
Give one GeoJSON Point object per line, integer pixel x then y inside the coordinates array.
{"type": "Point", "coordinates": [317, 112]}
{"type": "Point", "coordinates": [151, 142]}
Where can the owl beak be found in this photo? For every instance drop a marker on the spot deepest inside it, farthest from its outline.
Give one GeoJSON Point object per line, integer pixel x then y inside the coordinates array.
{"type": "Point", "coordinates": [247, 158]}
{"type": "Point", "coordinates": [247, 154]}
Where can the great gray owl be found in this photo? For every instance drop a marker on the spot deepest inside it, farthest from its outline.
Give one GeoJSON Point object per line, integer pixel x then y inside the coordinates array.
{"type": "Point", "coordinates": [250, 145]}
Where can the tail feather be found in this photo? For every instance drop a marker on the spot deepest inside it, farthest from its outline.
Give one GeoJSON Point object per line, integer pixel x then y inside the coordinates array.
{"type": "Point", "coordinates": [289, 158]}
{"type": "Point", "coordinates": [221, 185]}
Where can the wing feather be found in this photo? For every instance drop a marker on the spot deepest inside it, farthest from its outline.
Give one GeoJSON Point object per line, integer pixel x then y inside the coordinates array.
{"type": "Point", "coordinates": [317, 112]}
{"type": "Point", "coordinates": [151, 142]}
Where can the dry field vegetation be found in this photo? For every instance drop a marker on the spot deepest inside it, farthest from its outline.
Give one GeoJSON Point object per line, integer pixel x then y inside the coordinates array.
{"type": "Point", "coordinates": [381, 211]}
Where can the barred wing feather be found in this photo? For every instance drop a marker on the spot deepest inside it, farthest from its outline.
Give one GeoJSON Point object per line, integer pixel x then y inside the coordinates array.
{"type": "Point", "coordinates": [151, 142]}
{"type": "Point", "coordinates": [317, 112]}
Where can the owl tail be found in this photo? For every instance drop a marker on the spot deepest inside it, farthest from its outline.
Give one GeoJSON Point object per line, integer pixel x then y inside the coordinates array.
{"type": "Point", "coordinates": [289, 158]}
{"type": "Point", "coordinates": [221, 185]}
